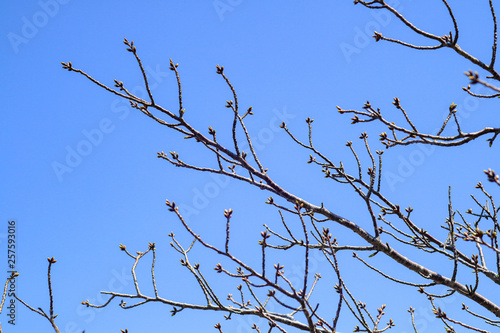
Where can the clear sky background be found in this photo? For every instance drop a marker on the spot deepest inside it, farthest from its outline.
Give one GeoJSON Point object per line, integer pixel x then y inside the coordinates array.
{"type": "Point", "coordinates": [289, 61]}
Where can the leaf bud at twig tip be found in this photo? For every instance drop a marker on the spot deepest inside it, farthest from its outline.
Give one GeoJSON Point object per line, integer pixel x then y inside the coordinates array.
{"type": "Point", "coordinates": [473, 77]}
{"type": "Point", "coordinates": [51, 260]}
{"type": "Point", "coordinates": [453, 107]}
{"type": "Point", "coordinates": [228, 213]}
{"type": "Point", "coordinates": [67, 66]}
{"type": "Point", "coordinates": [396, 102]}
{"type": "Point", "coordinates": [377, 36]}
{"type": "Point", "coordinates": [492, 176]}
{"type": "Point", "coordinates": [122, 247]}
{"type": "Point", "coordinates": [172, 67]}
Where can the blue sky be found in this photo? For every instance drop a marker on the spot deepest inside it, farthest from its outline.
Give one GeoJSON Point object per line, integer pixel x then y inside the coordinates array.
{"type": "Point", "coordinates": [287, 61]}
